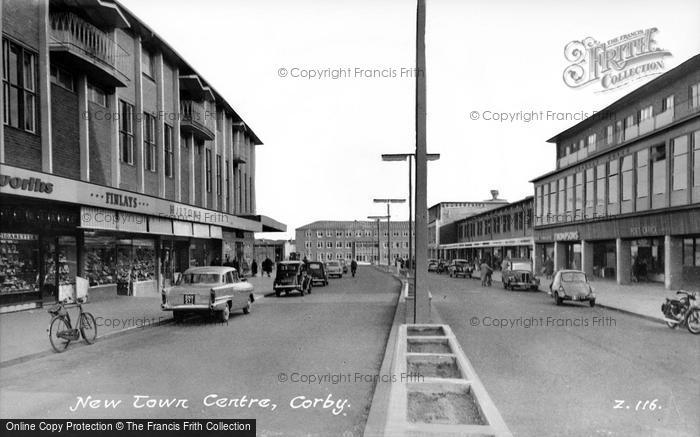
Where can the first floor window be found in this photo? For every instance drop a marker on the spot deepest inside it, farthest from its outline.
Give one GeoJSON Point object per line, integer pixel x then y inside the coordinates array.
{"type": "Point", "coordinates": [695, 95]}
{"type": "Point", "coordinates": [627, 178]}
{"type": "Point", "coordinates": [612, 181]}
{"type": "Point", "coordinates": [149, 141]}
{"type": "Point", "coordinates": [207, 168]}
{"type": "Point", "coordinates": [680, 163]}
{"type": "Point", "coordinates": [18, 86]}
{"type": "Point", "coordinates": [658, 169]}
{"type": "Point", "coordinates": [219, 188]}
{"type": "Point", "coordinates": [696, 158]}
{"type": "Point", "coordinates": [169, 157]}
{"type": "Point", "coordinates": [97, 95]}
{"type": "Point", "coordinates": [600, 186]}
{"type": "Point", "coordinates": [643, 173]}
{"type": "Point", "coordinates": [126, 132]}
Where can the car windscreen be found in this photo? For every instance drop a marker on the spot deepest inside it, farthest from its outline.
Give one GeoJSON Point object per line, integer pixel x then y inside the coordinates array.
{"type": "Point", "coordinates": [461, 263]}
{"type": "Point", "coordinates": [333, 264]}
{"type": "Point", "coordinates": [573, 277]}
{"type": "Point", "coordinates": [200, 278]}
{"type": "Point", "coordinates": [521, 265]}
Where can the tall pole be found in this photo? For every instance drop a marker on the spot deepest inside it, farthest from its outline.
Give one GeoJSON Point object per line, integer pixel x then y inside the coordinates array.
{"type": "Point", "coordinates": [388, 234]}
{"type": "Point", "coordinates": [410, 213]}
{"type": "Point", "coordinates": [422, 303]}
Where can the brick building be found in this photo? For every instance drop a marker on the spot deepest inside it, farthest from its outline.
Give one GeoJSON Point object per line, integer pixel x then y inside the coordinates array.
{"type": "Point", "coordinates": [118, 161]}
{"type": "Point", "coordinates": [365, 241]}
{"type": "Point", "coordinates": [624, 200]}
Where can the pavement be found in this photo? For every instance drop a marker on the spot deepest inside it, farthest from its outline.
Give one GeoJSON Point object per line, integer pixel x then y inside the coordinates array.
{"type": "Point", "coordinates": [23, 334]}
{"type": "Point", "coordinates": [639, 299]}
{"type": "Point", "coordinates": [292, 350]}
{"type": "Point", "coordinates": [573, 370]}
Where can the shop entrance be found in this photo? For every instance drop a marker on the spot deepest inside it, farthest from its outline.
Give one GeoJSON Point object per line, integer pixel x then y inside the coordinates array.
{"type": "Point", "coordinates": [604, 259]}
{"type": "Point", "coordinates": [647, 259]}
{"type": "Point", "coordinates": [60, 267]}
{"type": "Point", "coordinates": [572, 256]}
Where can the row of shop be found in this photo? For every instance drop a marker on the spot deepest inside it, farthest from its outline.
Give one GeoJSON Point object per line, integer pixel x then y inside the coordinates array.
{"type": "Point", "coordinates": [44, 246]}
{"type": "Point", "coordinates": [493, 252]}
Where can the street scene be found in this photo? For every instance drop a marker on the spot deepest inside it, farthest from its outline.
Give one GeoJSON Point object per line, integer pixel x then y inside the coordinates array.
{"type": "Point", "coordinates": [370, 218]}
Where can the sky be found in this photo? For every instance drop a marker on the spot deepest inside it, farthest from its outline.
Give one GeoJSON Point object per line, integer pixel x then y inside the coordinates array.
{"type": "Point", "coordinates": [329, 86]}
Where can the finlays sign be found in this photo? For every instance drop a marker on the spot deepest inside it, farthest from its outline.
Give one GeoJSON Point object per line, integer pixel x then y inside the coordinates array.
{"type": "Point", "coordinates": [614, 63]}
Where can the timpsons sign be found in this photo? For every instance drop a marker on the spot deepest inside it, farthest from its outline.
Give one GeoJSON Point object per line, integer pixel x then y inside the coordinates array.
{"type": "Point", "coordinates": [614, 63]}
{"type": "Point", "coordinates": [22, 182]}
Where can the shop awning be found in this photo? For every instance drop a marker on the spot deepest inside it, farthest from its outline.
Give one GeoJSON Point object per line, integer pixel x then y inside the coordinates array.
{"type": "Point", "coordinates": [159, 225]}
{"type": "Point", "coordinates": [200, 230]}
{"type": "Point", "coordinates": [268, 224]}
{"type": "Point", "coordinates": [182, 229]}
{"type": "Point", "coordinates": [216, 232]}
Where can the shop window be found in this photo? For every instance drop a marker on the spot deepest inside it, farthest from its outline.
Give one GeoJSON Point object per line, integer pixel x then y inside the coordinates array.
{"type": "Point", "coordinates": [612, 181]}
{"type": "Point", "coordinates": [627, 178]}
{"type": "Point", "coordinates": [168, 146]}
{"type": "Point", "coordinates": [643, 173]}
{"type": "Point", "coordinates": [19, 264]}
{"type": "Point", "coordinates": [691, 252]}
{"type": "Point", "coordinates": [658, 169]}
{"type": "Point", "coordinates": [100, 261]}
{"type": "Point", "coordinates": [149, 141]}
{"type": "Point", "coordinates": [680, 163]}
{"type": "Point", "coordinates": [648, 254]}
{"type": "Point", "coordinates": [18, 86]}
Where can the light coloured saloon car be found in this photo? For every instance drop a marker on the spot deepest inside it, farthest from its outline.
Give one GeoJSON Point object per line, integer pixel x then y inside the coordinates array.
{"type": "Point", "coordinates": [209, 290]}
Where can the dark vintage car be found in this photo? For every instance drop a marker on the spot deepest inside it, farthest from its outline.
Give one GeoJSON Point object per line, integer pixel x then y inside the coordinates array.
{"type": "Point", "coordinates": [571, 285]}
{"type": "Point", "coordinates": [317, 271]}
{"type": "Point", "coordinates": [292, 276]}
{"type": "Point", "coordinates": [459, 267]}
{"type": "Point", "coordinates": [518, 273]}
{"type": "Point", "coordinates": [213, 290]}
{"type": "Point", "coordinates": [432, 265]}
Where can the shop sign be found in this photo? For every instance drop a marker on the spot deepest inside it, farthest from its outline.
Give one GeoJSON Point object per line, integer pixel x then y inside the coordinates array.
{"type": "Point", "coordinates": [18, 237]}
{"type": "Point", "coordinates": [566, 236]}
{"type": "Point", "coordinates": [26, 184]}
{"type": "Point", "coordinates": [638, 231]}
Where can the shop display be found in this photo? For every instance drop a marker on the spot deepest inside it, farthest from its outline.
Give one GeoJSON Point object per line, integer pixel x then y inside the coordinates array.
{"type": "Point", "coordinates": [99, 266]}
{"type": "Point", "coordinates": [18, 264]}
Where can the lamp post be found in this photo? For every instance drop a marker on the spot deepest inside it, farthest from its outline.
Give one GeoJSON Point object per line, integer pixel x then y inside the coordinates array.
{"type": "Point", "coordinates": [388, 224]}
{"type": "Point", "coordinates": [392, 157]}
{"type": "Point", "coordinates": [378, 218]}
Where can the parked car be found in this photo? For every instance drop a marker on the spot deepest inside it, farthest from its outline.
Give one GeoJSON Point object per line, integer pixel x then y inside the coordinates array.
{"type": "Point", "coordinates": [292, 276]}
{"type": "Point", "coordinates": [442, 266]}
{"type": "Point", "coordinates": [317, 271]}
{"type": "Point", "coordinates": [519, 273]}
{"type": "Point", "coordinates": [571, 285]}
{"type": "Point", "coordinates": [459, 267]}
{"type": "Point", "coordinates": [208, 290]}
{"type": "Point", "coordinates": [345, 266]}
{"type": "Point", "coordinates": [432, 265]}
{"type": "Point", "coordinates": [334, 269]}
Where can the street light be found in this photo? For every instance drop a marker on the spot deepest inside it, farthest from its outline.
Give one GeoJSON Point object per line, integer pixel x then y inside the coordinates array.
{"type": "Point", "coordinates": [394, 157]}
{"type": "Point", "coordinates": [378, 218]}
{"type": "Point", "coordinates": [388, 224]}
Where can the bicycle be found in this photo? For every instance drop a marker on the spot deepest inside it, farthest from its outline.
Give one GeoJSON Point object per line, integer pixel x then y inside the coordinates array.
{"type": "Point", "coordinates": [61, 331]}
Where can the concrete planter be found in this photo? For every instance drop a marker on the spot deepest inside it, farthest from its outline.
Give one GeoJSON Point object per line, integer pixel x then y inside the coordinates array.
{"type": "Point", "coordinates": [438, 391]}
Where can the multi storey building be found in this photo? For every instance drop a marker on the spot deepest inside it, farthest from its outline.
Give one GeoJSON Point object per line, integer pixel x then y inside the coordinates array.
{"type": "Point", "coordinates": [505, 231]}
{"type": "Point", "coordinates": [445, 213]}
{"type": "Point", "coordinates": [276, 250]}
{"type": "Point", "coordinates": [118, 161]}
{"type": "Point", "coordinates": [365, 241]}
{"type": "Point", "coordinates": [624, 199]}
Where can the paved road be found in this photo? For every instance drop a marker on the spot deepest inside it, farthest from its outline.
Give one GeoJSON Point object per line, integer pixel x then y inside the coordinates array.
{"type": "Point", "coordinates": [553, 380]}
{"type": "Point", "coordinates": [335, 331]}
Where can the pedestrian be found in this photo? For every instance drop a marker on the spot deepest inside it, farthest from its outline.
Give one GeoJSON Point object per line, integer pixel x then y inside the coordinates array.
{"type": "Point", "coordinates": [228, 262]}
{"type": "Point", "coordinates": [237, 265]}
{"type": "Point", "coordinates": [548, 268]}
{"type": "Point", "coordinates": [486, 272]}
{"type": "Point", "coordinates": [254, 268]}
{"type": "Point", "coordinates": [353, 267]}
{"type": "Point", "coordinates": [267, 266]}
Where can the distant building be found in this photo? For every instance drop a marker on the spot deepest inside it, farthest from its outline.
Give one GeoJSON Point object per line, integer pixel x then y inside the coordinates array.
{"type": "Point", "coordinates": [276, 250]}
{"type": "Point", "coordinates": [365, 241]}
{"type": "Point", "coordinates": [445, 213]}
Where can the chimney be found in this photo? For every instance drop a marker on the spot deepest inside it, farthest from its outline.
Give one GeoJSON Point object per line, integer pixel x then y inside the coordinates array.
{"type": "Point", "coordinates": [494, 194]}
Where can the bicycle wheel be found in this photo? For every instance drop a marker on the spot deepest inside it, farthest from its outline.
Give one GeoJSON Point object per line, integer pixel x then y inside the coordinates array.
{"type": "Point", "coordinates": [88, 328]}
{"type": "Point", "coordinates": [59, 325]}
{"type": "Point", "coordinates": [692, 321]}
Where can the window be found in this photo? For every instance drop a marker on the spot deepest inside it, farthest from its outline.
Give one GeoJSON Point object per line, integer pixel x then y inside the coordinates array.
{"type": "Point", "coordinates": [562, 198]}
{"type": "Point", "coordinates": [97, 95]}
{"type": "Point", "coordinates": [18, 86]}
{"type": "Point", "coordinates": [667, 103]}
{"type": "Point", "coordinates": [545, 207]}
{"type": "Point", "coordinates": [339, 244]}
{"type": "Point", "coordinates": [538, 200]}
{"type": "Point", "coordinates": [695, 95]}
{"type": "Point", "coordinates": [579, 192]}
{"type": "Point", "coordinates": [329, 245]}
{"type": "Point", "coordinates": [609, 133]}
{"type": "Point", "coordinates": [569, 194]}
{"type": "Point", "coordinates": [319, 234]}
{"type": "Point", "coordinates": [552, 198]}
{"type": "Point", "coordinates": [219, 188]}
{"type": "Point", "coordinates": [62, 78]}
{"type": "Point", "coordinates": [228, 190]}
{"type": "Point", "coordinates": [627, 178]}
{"type": "Point", "coordinates": [147, 63]}
{"type": "Point", "coordinates": [612, 181]}
{"type": "Point", "coordinates": [319, 245]}
{"type": "Point", "coordinates": [646, 113]}
{"type": "Point", "coordinates": [149, 141]}
{"type": "Point", "coordinates": [348, 234]}
{"type": "Point", "coordinates": [691, 252]}
{"type": "Point", "coordinates": [696, 158]}
{"type": "Point", "coordinates": [168, 146]}
{"type": "Point", "coordinates": [629, 121]}
{"type": "Point", "coordinates": [207, 168]}
{"type": "Point", "coordinates": [601, 172]}
{"type": "Point", "coordinates": [591, 142]}
{"type": "Point", "coordinates": [307, 234]}
{"type": "Point", "coordinates": [329, 234]}
{"type": "Point", "coordinates": [348, 245]}
{"type": "Point", "coordinates": [620, 129]}
{"type": "Point", "coordinates": [643, 173]}
{"type": "Point", "coordinates": [126, 132]}
{"type": "Point", "coordinates": [680, 163]}
{"type": "Point", "coordinates": [658, 169]}
{"type": "Point", "coordinates": [590, 187]}
{"type": "Point", "coordinates": [338, 233]}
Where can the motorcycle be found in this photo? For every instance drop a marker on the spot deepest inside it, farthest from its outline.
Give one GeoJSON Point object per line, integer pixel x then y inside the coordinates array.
{"type": "Point", "coordinates": [683, 310]}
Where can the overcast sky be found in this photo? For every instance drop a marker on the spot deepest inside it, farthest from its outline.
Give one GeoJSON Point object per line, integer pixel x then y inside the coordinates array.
{"type": "Point", "coordinates": [325, 136]}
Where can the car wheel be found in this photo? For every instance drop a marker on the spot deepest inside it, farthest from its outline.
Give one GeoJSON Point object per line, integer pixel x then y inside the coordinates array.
{"type": "Point", "coordinates": [278, 293]}
{"type": "Point", "coordinates": [223, 314]}
{"type": "Point", "coordinates": [591, 303]}
{"type": "Point", "coordinates": [178, 316]}
{"type": "Point", "coordinates": [246, 309]}
{"type": "Point", "coordinates": [557, 299]}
